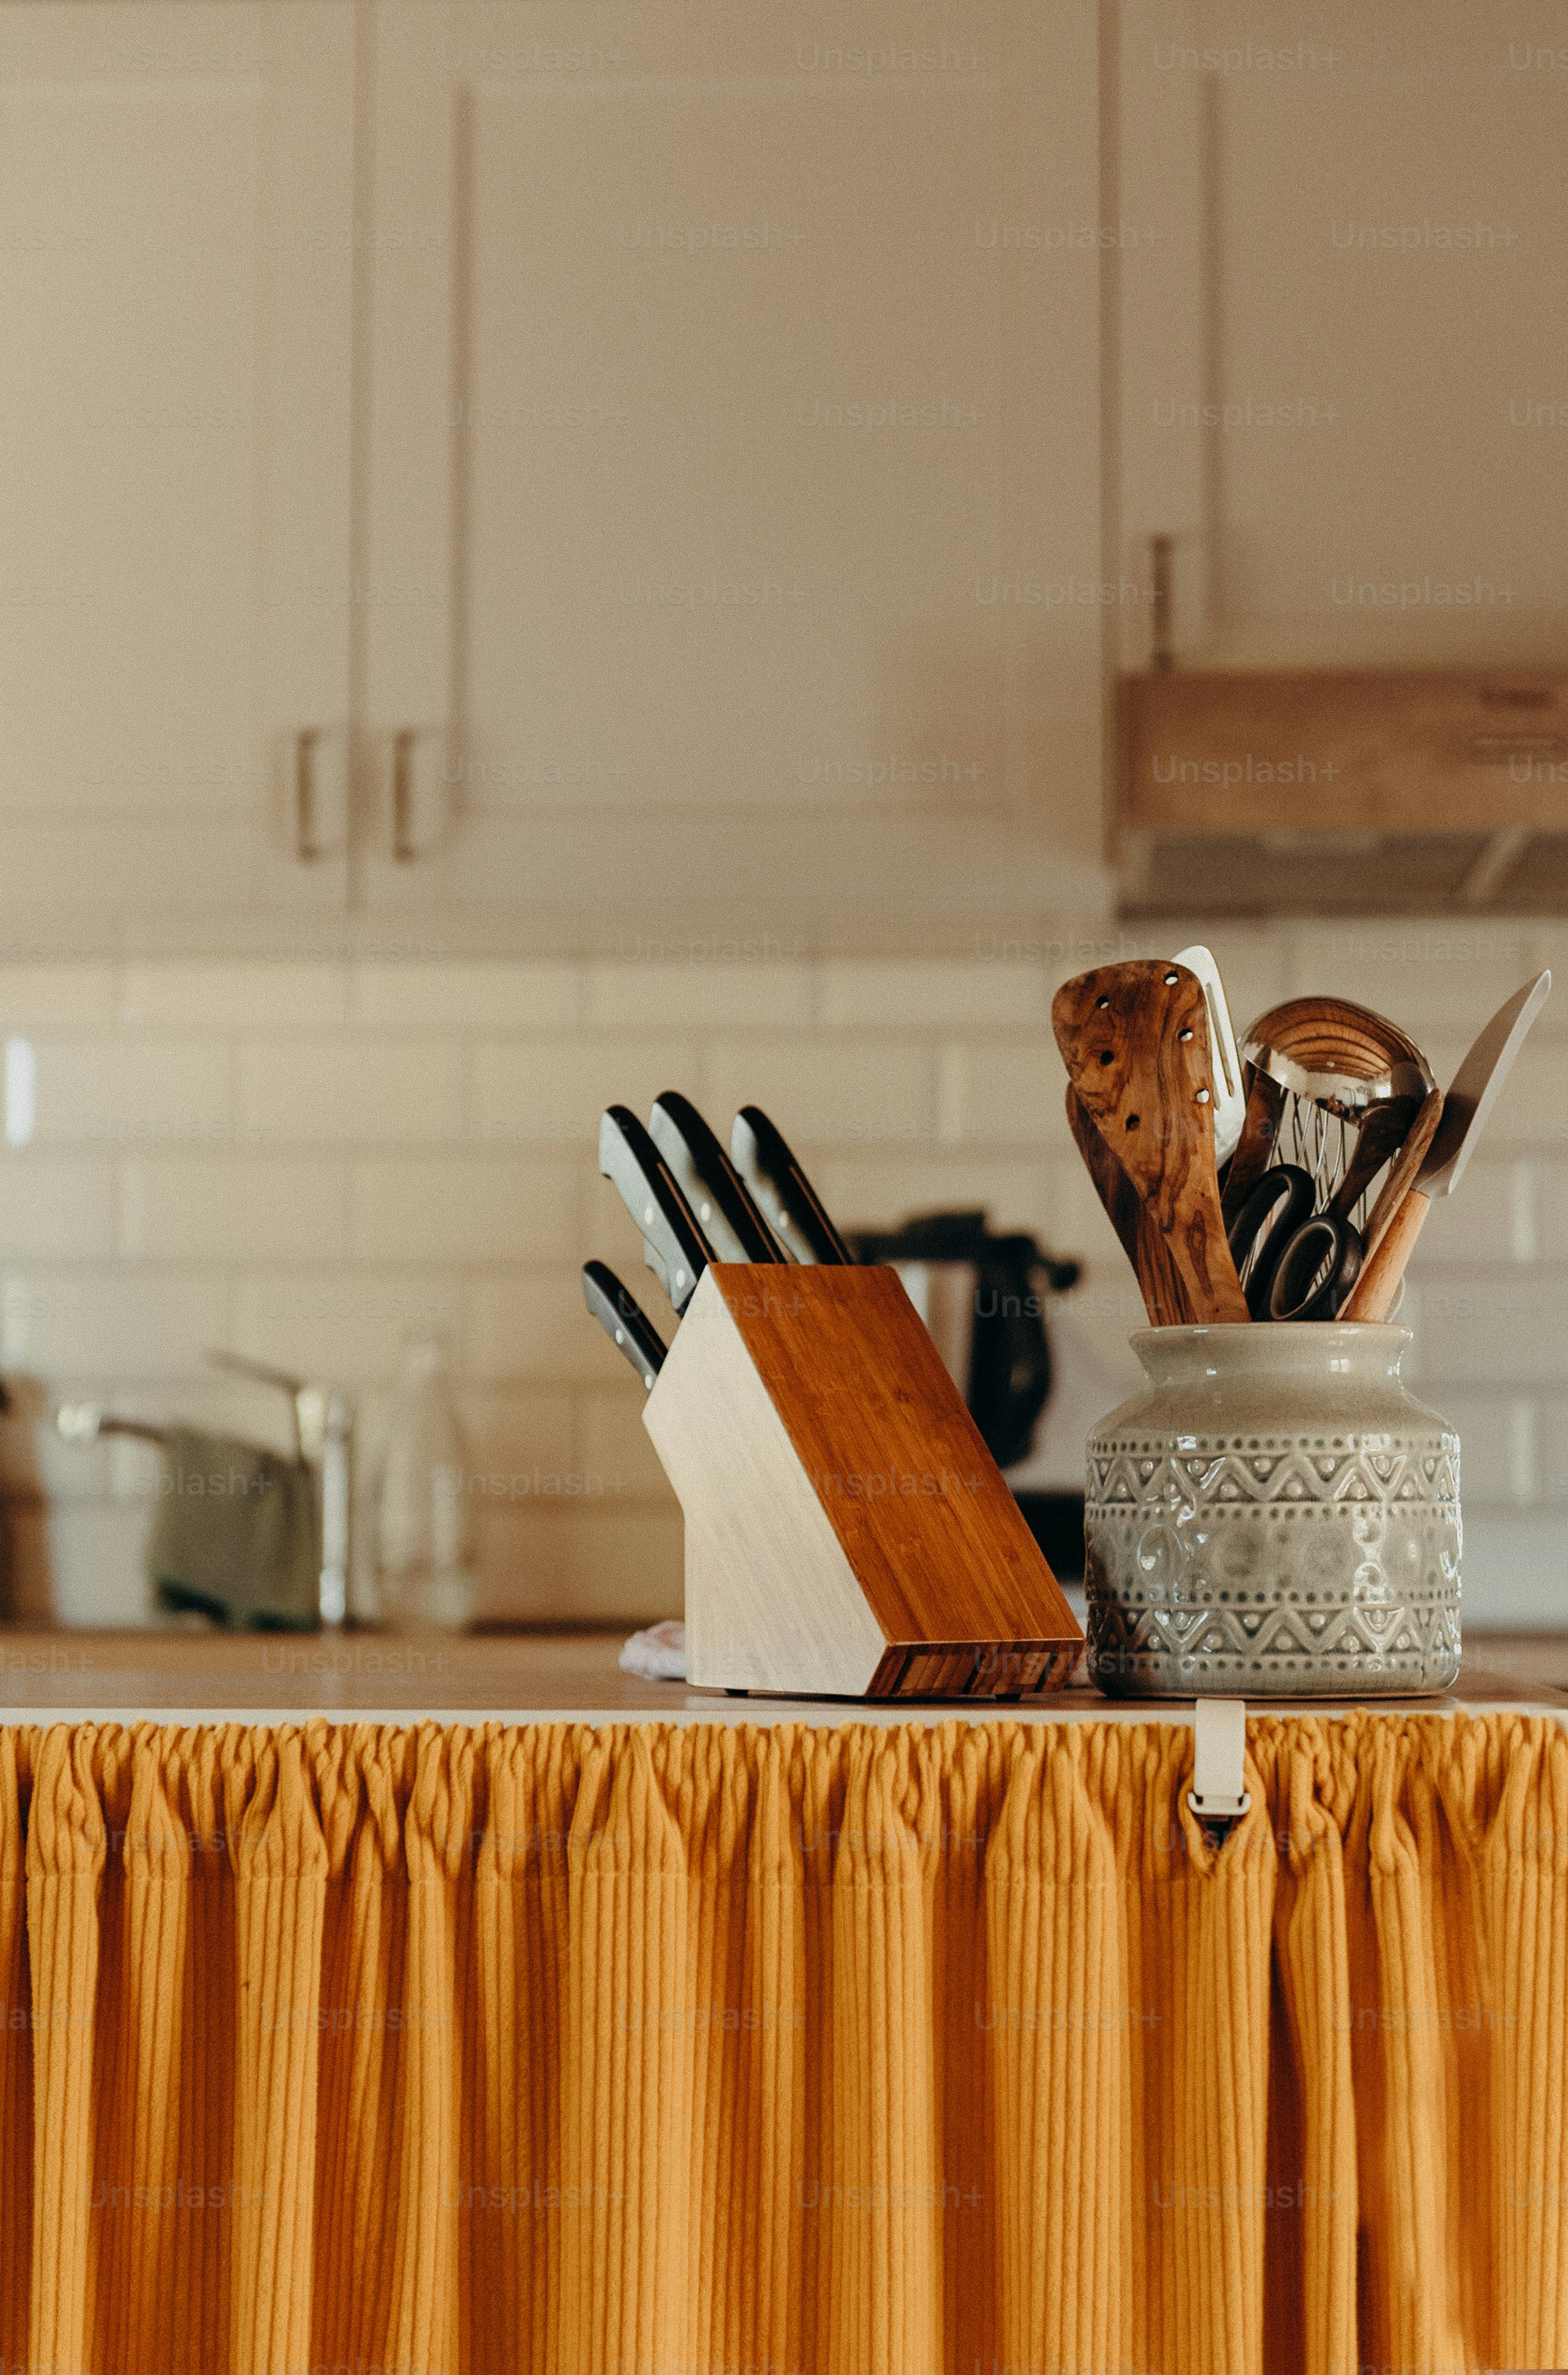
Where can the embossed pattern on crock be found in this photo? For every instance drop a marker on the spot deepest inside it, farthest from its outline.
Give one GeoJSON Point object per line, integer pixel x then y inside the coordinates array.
{"type": "Point", "coordinates": [1277, 1564]}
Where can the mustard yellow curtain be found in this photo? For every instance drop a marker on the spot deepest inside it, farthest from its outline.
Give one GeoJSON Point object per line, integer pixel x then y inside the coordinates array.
{"type": "Point", "coordinates": [657, 2051]}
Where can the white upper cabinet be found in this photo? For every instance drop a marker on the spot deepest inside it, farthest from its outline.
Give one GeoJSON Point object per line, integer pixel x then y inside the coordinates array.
{"type": "Point", "coordinates": [529, 468]}
{"type": "Point", "coordinates": [176, 251]}
{"type": "Point", "coordinates": [721, 409]}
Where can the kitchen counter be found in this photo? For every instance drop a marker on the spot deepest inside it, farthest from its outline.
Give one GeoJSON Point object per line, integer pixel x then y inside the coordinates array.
{"type": "Point", "coordinates": [530, 1678]}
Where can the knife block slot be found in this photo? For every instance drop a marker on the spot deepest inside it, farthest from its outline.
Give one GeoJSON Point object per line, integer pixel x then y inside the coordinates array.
{"type": "Point", "coordinates": [847, 1533]}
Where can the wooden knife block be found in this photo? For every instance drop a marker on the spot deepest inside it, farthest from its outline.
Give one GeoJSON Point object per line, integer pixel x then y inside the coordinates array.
{"type": "Point", "coordinates": [847, 1533]}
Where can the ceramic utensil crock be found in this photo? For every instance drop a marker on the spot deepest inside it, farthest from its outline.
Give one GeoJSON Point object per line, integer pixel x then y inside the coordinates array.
{"type": "Point", "coordinates": [1272, 1514]}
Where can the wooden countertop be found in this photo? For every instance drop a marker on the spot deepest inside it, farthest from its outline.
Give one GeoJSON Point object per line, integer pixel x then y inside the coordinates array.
{"type": "Point", "coordinates": [527, 1678]}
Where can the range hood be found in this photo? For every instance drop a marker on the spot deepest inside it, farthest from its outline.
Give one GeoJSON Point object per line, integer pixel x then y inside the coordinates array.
{"type": "Point", "coordinates": [1324, 791]}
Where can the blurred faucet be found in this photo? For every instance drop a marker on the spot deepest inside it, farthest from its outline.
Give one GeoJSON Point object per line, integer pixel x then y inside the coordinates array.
{"type": "Point", "coordinates": [323, 1434]}
{"type": "Point", "coordinates": [323, 1439]}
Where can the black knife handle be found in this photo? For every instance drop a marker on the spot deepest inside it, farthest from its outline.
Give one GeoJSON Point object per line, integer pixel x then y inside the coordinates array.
{"type": "Point", "coordinates": [673, 1245]}
{"type": "Point", "coordinates": [623, 1320]}
{"type": "Point", "coordinates": [793, 1211]}
{"type": "Point", "coordinates": [710, 1182]}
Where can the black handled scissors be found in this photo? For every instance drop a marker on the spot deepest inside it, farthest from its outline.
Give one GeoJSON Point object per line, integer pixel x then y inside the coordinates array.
{"type": "Point", "coordinates": [1304, 1262]}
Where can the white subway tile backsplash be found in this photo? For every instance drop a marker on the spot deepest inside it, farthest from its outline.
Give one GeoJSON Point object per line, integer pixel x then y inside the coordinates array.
{"type": "Point", "coordinates": [1551, 1449]}
{"type": "Point", "coordinates": [121, 1096]}
{"type": "Point", "coordinates": [615, 1452]}
{"type": "Point", "coordinates": [56, 1208]}
{"type": "Point", "coordinates": [409, 1207]}
{"type": "Point", "coordinates": [547, 1093]}
{"type": "Point", "coordinates": [877, 1190]}
{"type": "Point", "coordinates": [770, 990]}
{"type": "Point", "coordinates": [64, 1322]}
{"type": "Point", "coordinates": [300, 1092]}
{"type": "Point", "coordinates": [1513, 1573]}
{"type": "Point", "coordinates": [1531, 1113]}
{"type": "Point", "coordinates": [1476, 1224]}
{"type": "Point", "coordinates": [1013, 1095]}
{"type": "Point", "coordinates": [511, 1434]}
{"type": "Point", "coordinates": [1487, 1428]}
{"type": "Point", "coordinates": [909, 994]}
{"type": "Point", "coordinates": [344, 1325]}
{"type": "Point", "coordinates": [251, 998]}
{"type": "Point", "coordinates": [1494, 1329]}
{"type": "Point", "coordinates": [1435, 979]}
{"type": "Point", "coordinates": [1552, 1207]}
{"type": "Point", "coordinates": [1080, 1228]}
{"type": "Point", "coordinates": [308, 1160]}
{"type": "Point", "coordinates": [531, 1325]}
{"type": "Point", "coordinates": [207, 1210]}
{"type": "Point", "coordinates": [826, 1095]}
{"type": "Point", "coordinates": [490, 995]}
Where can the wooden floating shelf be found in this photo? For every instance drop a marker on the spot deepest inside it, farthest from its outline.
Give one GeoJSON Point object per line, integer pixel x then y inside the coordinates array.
{"type": "Point", "coordinates": [847, 1533]}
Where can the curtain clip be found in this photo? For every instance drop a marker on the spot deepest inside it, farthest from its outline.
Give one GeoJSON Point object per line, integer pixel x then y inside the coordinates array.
{"type": "Point", "coordinates": [1220, 1741]}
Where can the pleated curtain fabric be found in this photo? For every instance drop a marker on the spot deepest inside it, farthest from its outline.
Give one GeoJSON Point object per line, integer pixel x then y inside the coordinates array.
{"type": "Point", "coordinates": [652, 2049]}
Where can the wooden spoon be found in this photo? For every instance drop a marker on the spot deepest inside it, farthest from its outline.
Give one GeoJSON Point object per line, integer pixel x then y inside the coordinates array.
{"type": "Point", "coordinates": [1135, 1040]}
{"type": "Point", "coordinates": [1402, 1170]}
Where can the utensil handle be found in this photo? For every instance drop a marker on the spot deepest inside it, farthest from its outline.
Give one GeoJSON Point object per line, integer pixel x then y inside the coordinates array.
{"type": "Point", "coordinates": [1376, 1287]}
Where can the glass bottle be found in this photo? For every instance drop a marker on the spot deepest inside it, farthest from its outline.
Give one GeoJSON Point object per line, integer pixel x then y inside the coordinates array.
{"type": "Point", "coordinates": [424, 1577]}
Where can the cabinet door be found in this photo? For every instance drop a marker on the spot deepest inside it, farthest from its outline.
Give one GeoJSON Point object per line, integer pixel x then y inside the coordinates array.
{"type": "Point", "coordinates": [735, 423]}
{"type": "Point", "coordinates": [177, 242]}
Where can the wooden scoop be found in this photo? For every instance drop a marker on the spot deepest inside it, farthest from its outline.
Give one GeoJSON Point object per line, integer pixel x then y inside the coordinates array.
{"type": "Point", "coordinates": [1135, 1040]}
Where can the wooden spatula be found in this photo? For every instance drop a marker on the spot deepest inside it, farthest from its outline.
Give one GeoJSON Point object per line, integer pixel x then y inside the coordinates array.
{"type": "Point", "coordinates": [1165, 1297]}
{"type": "Point", "coordinates": [1135, 1040]}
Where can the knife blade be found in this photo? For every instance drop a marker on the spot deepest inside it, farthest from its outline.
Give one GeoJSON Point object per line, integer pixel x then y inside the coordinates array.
{"type": "Point", "coordinates": [710, 1182]}
{"type": "Point", "coordinates": [623, 1320]}
{"type": "Point", "coordinates": [793, 1210]}
{"type": "Point", "coordinates": [1477, 1084]}
{"type": "Point", "coordinates": [673, 1246]}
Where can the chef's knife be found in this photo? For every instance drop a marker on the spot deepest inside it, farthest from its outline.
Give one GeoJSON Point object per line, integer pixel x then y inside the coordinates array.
{"type": "Point", "coordinates": [1477, 1086]}
{"type": "Point", "coordinates": [623, 1320]}
{"type": "Point", "coordinates": [673, 1246]}
{"type": "Point", "coordinates": [786, 1195]}
{"type": "Point", "coordinates": [710, 1182]}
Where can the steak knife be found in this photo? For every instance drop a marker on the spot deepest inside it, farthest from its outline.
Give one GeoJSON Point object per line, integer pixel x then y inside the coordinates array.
{"type": "Point", "coordinates": [1477, 1086]}
{"type": "Point", "coordinates": [623, 1320]}
{"type": "Point", "coordinates": [710, 1182]}
{"type": "Point", "coordinates": [791, 1204]}
{"type": "Point", "coordinates": [673, 1246]}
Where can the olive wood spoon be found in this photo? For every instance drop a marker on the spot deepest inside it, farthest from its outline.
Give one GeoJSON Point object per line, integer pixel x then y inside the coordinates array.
{"type": "Point", "coordinates": [1135, 1040]}
{"type": "Point", "coordinates": [1164, 1297]}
